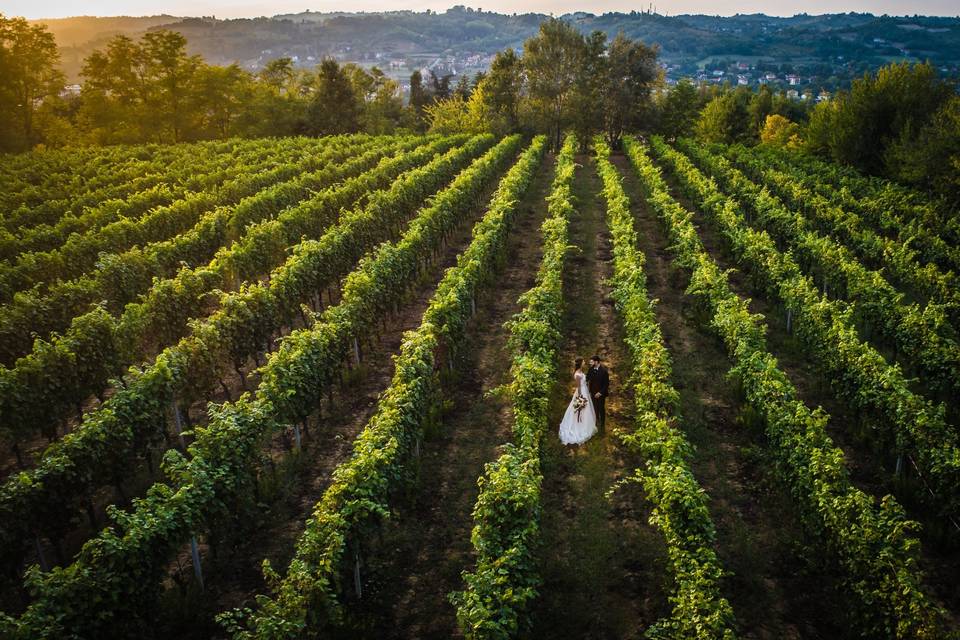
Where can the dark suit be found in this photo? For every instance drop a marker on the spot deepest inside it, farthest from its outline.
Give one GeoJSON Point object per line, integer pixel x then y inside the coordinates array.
{"type": "Point", "coordinates": [598, 381]}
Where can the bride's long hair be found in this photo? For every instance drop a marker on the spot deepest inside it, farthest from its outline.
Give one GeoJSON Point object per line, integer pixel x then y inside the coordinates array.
{"type": "Point", "coordinates": [578, 364]}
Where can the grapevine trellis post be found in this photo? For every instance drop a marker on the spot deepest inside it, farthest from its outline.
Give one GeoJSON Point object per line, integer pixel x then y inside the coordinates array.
{"type": "Point", "coordinates": [44, 565]}
{"type": "Point", "coordinates": [356, 572]}
{"type": "Point", "coordinates": [195, 555]}
{"type": "Point", "coordinates": [178, 423]}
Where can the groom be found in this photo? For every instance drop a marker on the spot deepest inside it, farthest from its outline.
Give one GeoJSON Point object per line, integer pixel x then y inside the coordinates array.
{"type": "Point", "coordinates": [598, 380]}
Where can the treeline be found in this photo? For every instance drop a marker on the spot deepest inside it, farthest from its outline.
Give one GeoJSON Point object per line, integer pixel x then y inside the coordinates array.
{"type": "Point", "coordinates": [902, 123]}
{"type": "Point", "coordinates": [563, 80]}
{"type": "Point", "coordinates": [152, 91]}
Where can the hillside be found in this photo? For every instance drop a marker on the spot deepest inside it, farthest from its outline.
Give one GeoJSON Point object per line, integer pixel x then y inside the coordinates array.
{"type": "Point", "coordinates": [830, 48]}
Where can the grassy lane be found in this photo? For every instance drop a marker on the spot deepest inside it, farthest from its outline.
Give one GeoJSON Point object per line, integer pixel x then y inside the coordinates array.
{"type": "Point", "coordinates": [603, 566]}
{"type": "Point", "coordinates": [427, 544]}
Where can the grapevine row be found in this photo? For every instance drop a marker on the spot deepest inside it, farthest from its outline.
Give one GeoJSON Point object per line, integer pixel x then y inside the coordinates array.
{"type": "Point", "coordinates": [680, 508]}
{"type": "Point", "coordinates": [861, 376]}
{"type": "Point", "coordinates": [898, 260]}
{"type": "Point", "coordinates": [166, 183]}
{"type": "Point", "coordinates": [880, 195]}
{"type": "Point", "coordinates": [923, 337]}
{"type": "Point", "coordinates": [101, 179]}
{"type": "Point", "coordinates": [45, 387]}
{"type": "Point", "coordinates": [500, 589]}
{"type": "Point", "coordinates": [122, 277]}
{"type": "Point", "coordinates": [308, 595]}
{"type": "Point", "coordinates": [134, 420]}
{"type": "Point", "coordinates": [80, 253]}
{"type": "Point", "coordinates": [874, 544]}
{"type": "Point", "coordinates": [122, 572]}
{"type": "Point", "coordinates": [881, 216]}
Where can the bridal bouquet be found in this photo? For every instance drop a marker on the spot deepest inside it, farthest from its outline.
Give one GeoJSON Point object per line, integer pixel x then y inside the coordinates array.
{"type": "Point", "coordinates": [579, 404]}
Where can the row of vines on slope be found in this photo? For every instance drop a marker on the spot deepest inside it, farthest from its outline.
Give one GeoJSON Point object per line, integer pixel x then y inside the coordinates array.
{"type": "Point", "coordinates": [308, 595]}
{"type": "Point", "coordinates": [499, 591]}
{"type": "Point", "coordinates": [133, 422]}
{"type": "Point", "coordinates": [45, 386]}
{"type": "Point", "coordinates": [680, 508]}
{"type": "Point", "coordinates": [874, 544]}
{"type": "Point", "coordinates": [121, 568]}
{"type": "Point", "coordinates": [879, 213]}
{"type": "Point", "coordinates": [923, 337]}
{"type": "Point", "coordinates": [862, 377]}
{"type": "Point", "coordinates": [166, 180]}
{"type": "Point", "coordinates": [120, 277]}
{"type": "Point", "coordinates": [896, 259]}
{"type": "Point", "coordinates": [80, 253]}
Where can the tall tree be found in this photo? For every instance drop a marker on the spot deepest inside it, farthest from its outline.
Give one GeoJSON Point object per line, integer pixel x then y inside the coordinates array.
{"type": "Point", "coordinates": [587, 101]}
{"type": "Point", "coordinates": [169, 71]}
{"type": "Point", "coordinates": [114, 95]}
{"type": "Point", "coordinates": [335, 106]}
{"type": "Point", "coordinates": [418, 98]}
{"type": "Point", "coordinates": [631, 73]}
{"type": "Point", "coordinates": [502, 87]}
{"type": "Point", "coordinates": [28, 66]}
{"type": "Point", "coordinates": [678, 109]}
{"type": "Point", "coordinates": [551, 60]}
{"type": "Point", "coordinates": [217, 97]}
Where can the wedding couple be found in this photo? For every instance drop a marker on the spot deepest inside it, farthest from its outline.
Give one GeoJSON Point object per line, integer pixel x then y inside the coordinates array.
{"type": "Point", "coordinates": [586, 413]}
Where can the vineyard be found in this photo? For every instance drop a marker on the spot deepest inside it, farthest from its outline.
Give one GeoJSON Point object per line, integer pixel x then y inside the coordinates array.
{"type": "Point", "coordinates": [310, 387]}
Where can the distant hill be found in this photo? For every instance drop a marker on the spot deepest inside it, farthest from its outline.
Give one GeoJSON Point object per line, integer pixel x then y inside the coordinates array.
{"type": "Point", "coordinates": [831, 48]}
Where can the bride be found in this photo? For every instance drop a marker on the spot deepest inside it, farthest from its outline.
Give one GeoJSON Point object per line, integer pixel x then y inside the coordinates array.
{"type": "Point", "coordinates": [580, 421]}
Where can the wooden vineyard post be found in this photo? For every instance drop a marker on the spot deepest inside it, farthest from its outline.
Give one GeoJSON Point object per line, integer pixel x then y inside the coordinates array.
{"type": "Point", "coordinates": [356, 351]}
{"type": "Point", "coordinates": [296, 435]}
{"type": "Point", "coordinates": [789, 320]}
{"type": "Point", "coordinates": [195, 554]}
{"type": "Point", "coordinates": [178, 423]}
{"type": "Point", "coordinates": [44, 566]}
{"type": "Point", "coordinates": [356, 572]}
{"type": "Point", "coordinates": [899, 468]}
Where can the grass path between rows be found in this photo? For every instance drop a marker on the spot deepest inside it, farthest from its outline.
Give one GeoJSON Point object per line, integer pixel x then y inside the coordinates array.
{"type": "Point", "coordinates": [604, 567]}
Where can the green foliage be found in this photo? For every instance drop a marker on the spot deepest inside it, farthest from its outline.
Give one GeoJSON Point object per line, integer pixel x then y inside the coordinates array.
{"type": "Point", "coordinates": [879, 115]}
{"type": "Point", "coordinates": [307, 596]}
{"type": "Point", "coordinates": [726, 118]}
{"type": "Point", "coordinates": [862, 376]}
{"type": "Point", "coordinates": [780, 132]}
{"type": "Point", "coordinates": [874, 544]}
{"type": "Point", "coordinates": [122, 571]}
{"type": "Point", "coordinates": [678, 109]}
{"type": "Point", "coordinates": [499, 591]}
{"type": "Point", "coordinates": [335, 106]}
{"type": "Point", "coordinates": [28, 65]}
{"type": "Point", "coordinates": [679, 503]}
{"type": "Point", "coordinates": [136, 417]}
{"type": "Point", "coordinates": [929, 156]}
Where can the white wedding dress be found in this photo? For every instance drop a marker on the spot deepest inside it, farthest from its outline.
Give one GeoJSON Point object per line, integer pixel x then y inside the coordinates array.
{"type": "Point", "coordinates": [574, 429]}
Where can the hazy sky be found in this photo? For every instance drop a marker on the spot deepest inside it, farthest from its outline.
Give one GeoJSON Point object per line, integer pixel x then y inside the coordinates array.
{"type": "Point", "coordinates": [251, 8]}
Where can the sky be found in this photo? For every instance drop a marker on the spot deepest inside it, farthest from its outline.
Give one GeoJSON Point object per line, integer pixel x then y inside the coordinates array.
{"type": "Point", "coordinates": [253, 8]}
